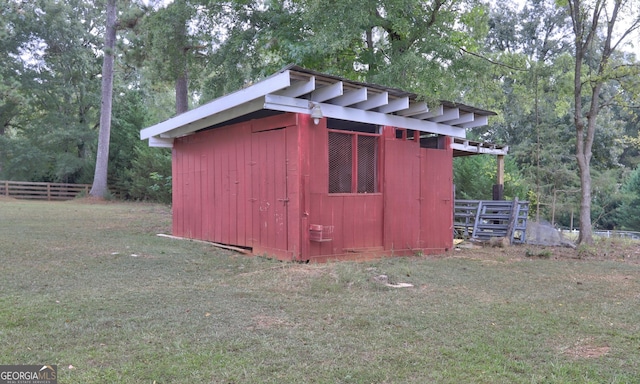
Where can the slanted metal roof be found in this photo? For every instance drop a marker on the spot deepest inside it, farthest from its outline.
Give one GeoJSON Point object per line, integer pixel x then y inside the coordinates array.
{"type": "Point", "coordinates": [296, 89]}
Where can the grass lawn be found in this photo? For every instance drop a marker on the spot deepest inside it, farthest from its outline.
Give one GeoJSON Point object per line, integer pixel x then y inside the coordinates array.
{"type": "Point", "coordinates": [91, 288]}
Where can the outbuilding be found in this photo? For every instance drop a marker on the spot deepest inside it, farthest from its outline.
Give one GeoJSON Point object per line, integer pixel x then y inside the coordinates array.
{"type": "Point", "coordinates": [306, 166]}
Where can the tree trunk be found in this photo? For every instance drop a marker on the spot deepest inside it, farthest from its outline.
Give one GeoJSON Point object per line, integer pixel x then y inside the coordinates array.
{"type": "Point", "coordinates": [182, 94]}
{"type": "Point", "coordinates": [586, 231]}
{"type": "Point", "coordinates": [99, 187]}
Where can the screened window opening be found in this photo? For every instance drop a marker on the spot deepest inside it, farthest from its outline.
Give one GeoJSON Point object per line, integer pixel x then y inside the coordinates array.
{"type": "Point", "coordinates": [353, 162]}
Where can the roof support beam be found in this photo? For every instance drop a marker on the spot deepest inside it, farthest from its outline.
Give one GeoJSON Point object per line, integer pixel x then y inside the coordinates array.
{"type": "Point", "coordinates": [288, 104]}
{"type": "Point", "coordinates": [478, 121]}
{"type": "Point", "coordinates": [466, 118]}
{"type": "Point", "coordinates": [447, 114]}
{"type": "Point", "coordinates": [300, 88]}
{"type": "Point", "coordinates": [351, 97]}
{"type": "Point", "coordinates": [437, 111]}
{"type": "Point", "coordinates": [161, 143]}
{"type": "Point", "coordinates": [477, 148]}
{"type": "Point", "coordinates": [415, 109]}
{"type": "Point", "coordinates": [395, 105]}
{"type": "Point", "coordinates": [327, 93]}
{"type": "Point", "coordinates": [374, 101]}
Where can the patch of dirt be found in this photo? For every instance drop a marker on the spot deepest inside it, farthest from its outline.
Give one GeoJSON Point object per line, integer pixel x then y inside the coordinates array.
{"type": "Point", "coordinates": [92, 200]}
{"type": "Point", "coordinates": [267, 322]}
{"type": "Point", "coordinates": [584, 349]}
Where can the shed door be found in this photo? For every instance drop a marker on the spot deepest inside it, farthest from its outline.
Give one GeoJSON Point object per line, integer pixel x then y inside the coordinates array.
{"type": "Point", "coordinates": [436, 188]}
{"type": "Point", "coordinates": [269, 173]}
{"type": "Point", "coordinates": [401, 195]}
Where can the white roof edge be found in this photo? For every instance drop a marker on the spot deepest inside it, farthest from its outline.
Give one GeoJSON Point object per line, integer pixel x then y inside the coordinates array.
{"type": "Point", "coordinates": [271, 84]}
{"type": "Point", "coordinates": [290, 90]}
{"type": "Point", "coordinates": [479, 148]}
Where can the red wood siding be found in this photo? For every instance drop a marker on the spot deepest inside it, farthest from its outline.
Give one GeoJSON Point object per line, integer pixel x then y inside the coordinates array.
{"type": "Point", "coordinates": [353, 222]}
{"type": "Point", "coordinates": [210, 177]}
{"type": "Point", "coordinates": [263, 183]}
{"type": "Point", "coordinates": [402, 195]}
{"type": "Point", "coordinates": [269, 191]}
{"type": "Point", "coordinates": [231, 185]}
{"type": "Point", "coordinates": [436, 208]}
{"type": "Point", "coordinates": [418, 190]}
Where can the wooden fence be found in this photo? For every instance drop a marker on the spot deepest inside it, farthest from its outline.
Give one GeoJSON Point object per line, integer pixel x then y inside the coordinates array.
{"type": "Point", "coordinates": [42, 191]}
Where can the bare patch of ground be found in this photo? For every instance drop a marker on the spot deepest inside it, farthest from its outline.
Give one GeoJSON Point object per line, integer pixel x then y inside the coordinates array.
{"type": "Point", "coordinates": [586, 349]}
{"type": "Point", "coordinates": [267, 322]}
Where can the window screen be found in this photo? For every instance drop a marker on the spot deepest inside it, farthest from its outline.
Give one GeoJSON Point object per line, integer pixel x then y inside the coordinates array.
{"type": "Point", "coordinates": [367, 164]}
{"type": "Point", "coordinates": [353, 154]}
{"type": "Point", "coordinates": [340, 162]}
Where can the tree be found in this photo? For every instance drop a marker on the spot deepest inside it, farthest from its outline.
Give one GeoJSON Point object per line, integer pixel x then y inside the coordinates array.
{"type": "Point", "coordinates": [172, 39]}
{"type": "Point", "coordinates": [597, 36]}
{"type": "Point", "coordinates": [474, 177]}
{"type": "Point", "coordinates": [408, 44]}
{"type": "Point", "coordinates": [99, 187]}
{"type": "Point", "coordinates": [629, 211]}
{"type": "Point", "coordinates": [51, 67]}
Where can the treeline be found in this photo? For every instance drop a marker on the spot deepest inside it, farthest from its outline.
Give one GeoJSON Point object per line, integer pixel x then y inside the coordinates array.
{"type": "Point", "coordinates": [517, 61]}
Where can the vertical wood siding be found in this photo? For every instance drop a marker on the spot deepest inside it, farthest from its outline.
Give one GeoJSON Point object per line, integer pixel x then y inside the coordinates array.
{"type": "Point", "coordinates": [262, 183]}
{"type": "Point", "coordinates": [436, 209]}
{"type": "Point", "coordinates": [402, 195]}
{"type": "Point", "coordinates": [230, 184]}
{"type": "Point", "coordinates": [353, 222]}
{"type": "Point", "coordinates": [418, 190]}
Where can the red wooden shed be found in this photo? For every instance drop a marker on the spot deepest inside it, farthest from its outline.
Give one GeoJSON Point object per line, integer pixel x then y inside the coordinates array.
{"type": "Point", "coordinates": [308, 166]}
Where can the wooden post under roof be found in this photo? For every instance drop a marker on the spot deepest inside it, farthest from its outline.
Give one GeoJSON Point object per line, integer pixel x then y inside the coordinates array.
{"type": "Point", "coordinates": [498, 188]}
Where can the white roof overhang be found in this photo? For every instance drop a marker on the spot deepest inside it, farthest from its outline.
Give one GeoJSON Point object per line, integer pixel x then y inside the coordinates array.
{"type": "Point", "coordinates": [299, 90]}
{"type": "Point", "coordinates": [464, 147]}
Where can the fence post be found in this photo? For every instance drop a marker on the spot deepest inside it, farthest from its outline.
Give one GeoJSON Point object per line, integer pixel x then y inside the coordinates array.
{"type": "Point", "coordinates": [6, 188]}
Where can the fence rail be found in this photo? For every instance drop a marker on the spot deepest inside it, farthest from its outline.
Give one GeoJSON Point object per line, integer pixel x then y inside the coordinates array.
{"type": "Point", "coordinates": [42, 191]}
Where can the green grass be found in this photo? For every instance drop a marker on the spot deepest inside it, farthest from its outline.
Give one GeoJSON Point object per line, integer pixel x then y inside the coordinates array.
{"type": "Point", "coordinates": [89, 287]}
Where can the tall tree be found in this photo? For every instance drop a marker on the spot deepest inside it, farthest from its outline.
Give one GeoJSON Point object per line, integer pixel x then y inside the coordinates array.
{"type": "Point", "coordinates": [173, 39]}
{"type": "Point", "coordinates": [51, 60]}
{"type": "Point", "coordinates": [413, 45]}
{"type": "Point", "coordinates": [598, 33]}
{"type": "Point", "coordinates": [99, 187]}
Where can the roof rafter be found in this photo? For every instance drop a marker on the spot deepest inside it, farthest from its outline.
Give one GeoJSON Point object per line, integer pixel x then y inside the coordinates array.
{"type": "Point", "coordinates": [326, 93]}
{"type": "Point", "coordinates": [294, 88]}
{"type": "Point", "coordinates": [288, 104]}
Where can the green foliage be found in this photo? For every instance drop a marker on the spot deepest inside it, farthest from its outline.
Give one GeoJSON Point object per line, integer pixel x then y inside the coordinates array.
{"type": "Point", "coordinates": [474, 177]}
{"type": "Point", "coordinates": [52, 70]}
{"type": "Point", "coordinates": [542, 254]}
{"type": "Point", "coordinates": [406, 44]}
{"type": "Point", "coordinates": [130, 115]}
{"type": "Point", "coordinates": [513, 59]}
{"type": "Point", "coordinates": [149, 177]}
{"type": "Point", "coordinates": [629, 211]}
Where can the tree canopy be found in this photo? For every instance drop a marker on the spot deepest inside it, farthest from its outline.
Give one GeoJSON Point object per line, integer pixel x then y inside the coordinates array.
{"type": "Point", "coordinates": [540, 65]}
